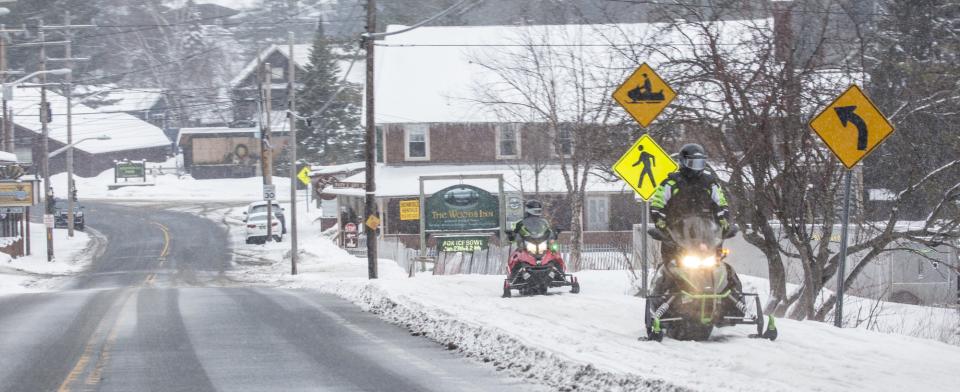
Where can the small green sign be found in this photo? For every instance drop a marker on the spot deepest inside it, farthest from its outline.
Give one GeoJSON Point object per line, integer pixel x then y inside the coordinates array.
{"type": "Point", "coordinates": [461, 244]}
{"type": "Point", "coordinates": [130, 169]}
{"type": "Point", "coordinates": [460, 208]}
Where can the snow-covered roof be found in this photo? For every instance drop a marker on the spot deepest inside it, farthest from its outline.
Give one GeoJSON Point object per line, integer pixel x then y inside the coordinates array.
{"type": "Point", "coordinates": [7, 157]}
{"type": "Point", "coordinates": [129, 100]}
{"type": "Point", "coordinates": [437, 74]}
{"type": "Point", "coordinates": [212, 131]}
{"type": "Point", "coordinates": [331, 169]}
{"type": "Point", "coordinates": [126, 132]}
{"type": "Point", "coordinates": [396, 181]}
{"type": "Point", "coordinates": [301, 57]}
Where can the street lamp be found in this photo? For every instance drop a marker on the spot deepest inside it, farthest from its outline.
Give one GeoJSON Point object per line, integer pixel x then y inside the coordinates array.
{"type": "Point", "coordinates": [8, 87]}
{"type": "Point", "coordinates": [69, 146]}
{"type": "Point", "coordinates": [70, 201]}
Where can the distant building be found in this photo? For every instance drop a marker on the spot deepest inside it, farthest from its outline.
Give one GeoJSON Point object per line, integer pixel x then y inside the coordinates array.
{"type": "Point", "coordinates": [130, 136]}
{"type": "Point", "coordinates": [244, 84]}
{"type": "Point", "coordinates": [221, 152]}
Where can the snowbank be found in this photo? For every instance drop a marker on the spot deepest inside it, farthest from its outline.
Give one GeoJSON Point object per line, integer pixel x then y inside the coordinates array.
{"type": "Point", "coordinates": [589, 341]}
{"type": "Point", "coordinates": [32, 273]}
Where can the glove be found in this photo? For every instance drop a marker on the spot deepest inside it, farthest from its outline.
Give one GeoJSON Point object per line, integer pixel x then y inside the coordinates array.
{"type": "Point", "coordinates": [724, 225]}
{"type": "Point", "coordinates": [661, 224]}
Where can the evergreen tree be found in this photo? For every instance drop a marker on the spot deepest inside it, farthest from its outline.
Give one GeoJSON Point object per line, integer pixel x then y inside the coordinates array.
{"type": "Point", "coordinates": [333, 135]}
{"type": "Point", "coordinates": [914, 65]}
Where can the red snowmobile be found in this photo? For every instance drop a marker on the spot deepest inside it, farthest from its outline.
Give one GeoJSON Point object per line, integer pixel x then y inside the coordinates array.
{"type": "Point", "coordinates": [536, 264]}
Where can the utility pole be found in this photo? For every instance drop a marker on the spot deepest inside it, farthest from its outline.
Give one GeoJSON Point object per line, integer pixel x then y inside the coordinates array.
{"type": "Point", "coordinates": [67, 30]}
{"type": "Point", "coordinates": [266, 156]}
{"type": "Point", "coordinates": [45, 148]}
{"type": "Point", "coordinates": [370, 140]}
{"type": "Point", "coordinates": [291, 115]}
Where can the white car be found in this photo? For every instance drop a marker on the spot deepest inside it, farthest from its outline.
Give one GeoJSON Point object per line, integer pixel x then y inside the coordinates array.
{"type": "Point", "coordinates": [257, 228]}
{"type": "Point", "coordinates": [260, 207]}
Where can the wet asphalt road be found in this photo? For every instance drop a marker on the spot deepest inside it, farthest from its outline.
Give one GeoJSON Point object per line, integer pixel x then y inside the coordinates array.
{"type": "Point", "coordinates": [155, 312]}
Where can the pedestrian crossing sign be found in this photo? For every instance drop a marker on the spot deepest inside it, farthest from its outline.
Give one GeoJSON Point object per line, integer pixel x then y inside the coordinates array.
{"type": "Point", "coordinates": [644, 166]}
{"type": "Point", "coordinates": [644, 95]}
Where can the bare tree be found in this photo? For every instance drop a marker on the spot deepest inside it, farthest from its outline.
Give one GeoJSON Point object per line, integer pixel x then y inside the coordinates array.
{"type": "Point", "coordinates": [747, 89]}
{"type": "Point", "coordinates": [563, 92]}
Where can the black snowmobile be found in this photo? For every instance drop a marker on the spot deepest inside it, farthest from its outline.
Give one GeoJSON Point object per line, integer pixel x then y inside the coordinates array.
{"type": "Point", "coordinates": [695, 294]}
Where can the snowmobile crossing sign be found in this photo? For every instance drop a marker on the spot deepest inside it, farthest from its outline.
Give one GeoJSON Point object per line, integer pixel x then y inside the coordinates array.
{"type": "Point", "coordinates": [644, 95]}
{"type": "Point", "coordinates": [851, 126]}
{"type": "Point", "coordinates": [644, 166]}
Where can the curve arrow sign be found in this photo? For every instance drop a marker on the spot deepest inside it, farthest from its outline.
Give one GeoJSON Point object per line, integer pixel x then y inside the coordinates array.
{"type": "Point", "coordinates": [846, 114]}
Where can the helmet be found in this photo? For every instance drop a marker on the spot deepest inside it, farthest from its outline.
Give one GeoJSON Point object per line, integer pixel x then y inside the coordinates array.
{"type": "Point", "coordinates": [693, 159]}
{"type": "Point", "coordinates": [533, 208]}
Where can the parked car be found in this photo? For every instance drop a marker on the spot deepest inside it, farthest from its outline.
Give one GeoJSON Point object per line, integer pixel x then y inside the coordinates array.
{"type": "Point", "coordinates": [256, 225]}
{"type": "Point", "coordinates": [260, 207]}
{"type": "Point", "coordinates": [60, 215]}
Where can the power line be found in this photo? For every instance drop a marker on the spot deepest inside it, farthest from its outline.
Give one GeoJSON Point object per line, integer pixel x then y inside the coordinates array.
{"type": "Point", "coordinates": [707, 6]}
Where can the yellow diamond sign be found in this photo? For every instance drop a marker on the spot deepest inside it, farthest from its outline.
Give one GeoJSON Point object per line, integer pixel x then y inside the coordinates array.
{"type": "Point", "coordinates": [644, 95]}
{"type": "Point", "coordinates": [644, 166]}
{"type": "Point", "coordinates": [373, 222]}
{"type": "Point", "coordinates": [304, 175]}
{"type": "Point", "coordinates": [851, 126]}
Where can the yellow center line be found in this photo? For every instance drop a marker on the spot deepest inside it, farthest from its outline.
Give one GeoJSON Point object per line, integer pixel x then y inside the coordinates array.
{"type": "Point", "coordinates": [166, 239]}
{"type": "Point", "coordinates": [90, 347]}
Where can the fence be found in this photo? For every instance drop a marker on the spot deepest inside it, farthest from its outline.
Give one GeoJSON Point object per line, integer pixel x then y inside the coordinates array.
{"type": "Point", "coordinates": [616, 253]}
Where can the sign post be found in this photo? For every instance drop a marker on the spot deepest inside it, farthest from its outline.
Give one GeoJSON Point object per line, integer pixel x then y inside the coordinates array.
{"type": "Point", "coordinates": [852, 127]}
{"type": "Point", "coordinates": [644, 95]}
{"type": "Point", "coordinates": [304, 177]}
{"type": "Point", "coordinates": [644, 166]}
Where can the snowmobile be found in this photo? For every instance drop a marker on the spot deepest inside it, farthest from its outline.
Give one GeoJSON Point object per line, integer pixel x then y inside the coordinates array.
{"type": "Point", "coordinates": [536, 264]}
{"type": "Point", "coordinates": [696, 292]}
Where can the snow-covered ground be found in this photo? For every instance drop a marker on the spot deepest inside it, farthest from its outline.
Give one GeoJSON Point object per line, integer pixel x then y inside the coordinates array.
{"type": "Point", "coordinates": [33, 273]}
{"type": "Point", "coordinates": [170, 186]}
{"type": "Point", "coordinates": [589, 341]}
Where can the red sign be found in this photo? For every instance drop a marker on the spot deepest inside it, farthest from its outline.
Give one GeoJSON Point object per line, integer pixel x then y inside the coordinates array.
{"type": "Point", "coordinates": [350, 227]}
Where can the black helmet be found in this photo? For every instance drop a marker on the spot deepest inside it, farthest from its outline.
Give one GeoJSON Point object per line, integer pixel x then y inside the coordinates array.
{"type": "Point", "coordinates": [533, 208]}
{"type": "Point", "coordinates": [693, 158]}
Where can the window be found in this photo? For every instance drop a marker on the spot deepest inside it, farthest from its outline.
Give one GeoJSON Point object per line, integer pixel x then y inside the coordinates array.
{"type": "Point", "coordinates": [598, 213]}
{"type": "Point", "coordinates": [417, 142]}
{"type": "Point", "coordinates": [508, 141]}
{"type": "Point", "coordinates": [277, 74]}
{"type": "Point", "coordinates": [564, 144]}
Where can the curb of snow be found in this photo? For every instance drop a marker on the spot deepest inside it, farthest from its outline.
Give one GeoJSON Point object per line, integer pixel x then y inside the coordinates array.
{"type": "Point", "coordinates": [490, 344]}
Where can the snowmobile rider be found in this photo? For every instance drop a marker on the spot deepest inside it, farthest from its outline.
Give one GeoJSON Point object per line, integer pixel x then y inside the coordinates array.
{"type": "Point", "coordinates": [689, 191]}
{"type": "Point", "coordinates": [532, 210]}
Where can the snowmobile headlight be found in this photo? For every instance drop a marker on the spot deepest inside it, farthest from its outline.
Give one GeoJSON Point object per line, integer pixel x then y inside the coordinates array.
{"type": "Point", "coordinates": [536, 248]}
{"type": "Point", "coordinates": [690, 261]}
{"type": "Point", "coordinates": [708, 262]}
{"type": "Point", "coordinates": [531, 247]}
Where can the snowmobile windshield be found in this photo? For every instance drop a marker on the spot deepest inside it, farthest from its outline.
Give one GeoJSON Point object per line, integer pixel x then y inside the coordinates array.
{"type": "Point", "coordinates": [535, 229]}
{"type": "Point", "coordinates": [696, 233]}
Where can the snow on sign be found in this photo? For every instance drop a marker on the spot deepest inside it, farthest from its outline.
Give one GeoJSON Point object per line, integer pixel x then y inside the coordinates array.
{"type": "Point", "coordinates": [644, 166]}
{"type": "Point", "coordinates": [851, 126]}
{"type": "Point", "coordinates": [644, 95]}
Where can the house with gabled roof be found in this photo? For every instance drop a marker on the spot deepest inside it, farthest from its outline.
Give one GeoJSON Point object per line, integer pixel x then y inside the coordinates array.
{"type": "Point", "coordinates": [129, 137]}
{"type": "Point", "coordinates": [243, 87]}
